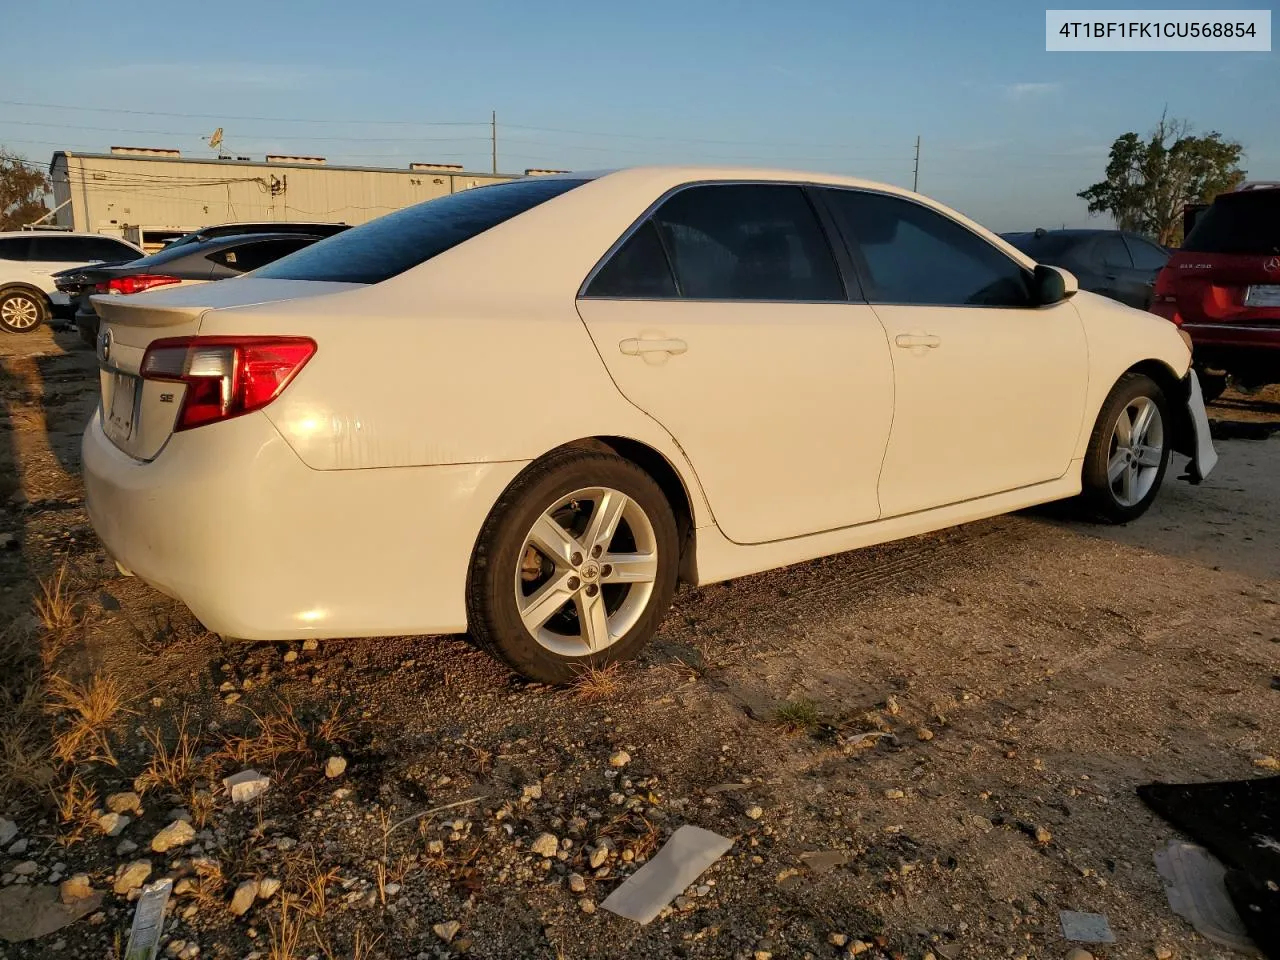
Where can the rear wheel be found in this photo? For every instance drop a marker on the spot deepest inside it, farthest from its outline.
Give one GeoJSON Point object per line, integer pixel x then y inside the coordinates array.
{"type": "Point", "coordinates": [1128, 450]}
{"type": "Point", "coordinates": [575, 566]}
{"type": "Point", "coordinates": [21, 311]}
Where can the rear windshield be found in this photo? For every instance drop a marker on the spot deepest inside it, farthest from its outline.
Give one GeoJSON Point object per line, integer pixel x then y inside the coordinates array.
{"type": "Point", "coordinates": [1239, 223]}
{"type": "Point", "coordinates": [382, 248]}
{"type": "Point", "coordinates": [1042, 249]}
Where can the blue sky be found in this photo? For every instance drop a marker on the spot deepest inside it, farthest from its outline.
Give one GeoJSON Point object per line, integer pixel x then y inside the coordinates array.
{"type": "Point", "coordinates": [1009, 132]}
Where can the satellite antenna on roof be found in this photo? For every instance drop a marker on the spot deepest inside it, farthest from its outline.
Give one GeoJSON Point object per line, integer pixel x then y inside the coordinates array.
{"type": "Point", "coordinates": [215, 142]}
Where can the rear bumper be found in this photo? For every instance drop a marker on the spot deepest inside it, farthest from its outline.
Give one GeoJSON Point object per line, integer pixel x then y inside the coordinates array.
{"type": "Point", "coordinates": [259, 546]}
{"type": "Point", "coordinates": [1228, 337]}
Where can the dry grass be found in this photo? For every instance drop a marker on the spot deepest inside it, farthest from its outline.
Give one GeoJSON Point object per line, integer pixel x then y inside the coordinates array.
{"type": "Point", "coordinates": [597, 684]}
{"type": "Point", "coordinates": [77, 804]}
{"type": "Point", "coordinates": [89, 709]}
{"type": "Point", "coordinates": [798, 716]}
{"type": "Point", "coordinates": [314, 881]}
{"type": "Point", "coordinates": [283, 937]}
{"type": "Point", "coordinates": [635, 832]}
{"type": "Point", "coordinates": [173, 766]}
{"type": "Point", "coordinates": [362, 946]}
{"type": "Point", "coordinates": [55, 606]}
{"type": "Point", "coordinates": [210, 883]}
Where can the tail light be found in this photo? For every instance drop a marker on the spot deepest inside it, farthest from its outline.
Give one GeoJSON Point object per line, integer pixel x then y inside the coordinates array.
{"type": "Point", "coordinates": [1164, 302]}
{"type": "Point", "coordinates": [136, 283]}
{"type": "Point", "coordinates": [225, 376]}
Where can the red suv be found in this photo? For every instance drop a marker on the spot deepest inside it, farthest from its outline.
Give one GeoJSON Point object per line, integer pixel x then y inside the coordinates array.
{"type": "Point", "coordinates": [1223, 288]}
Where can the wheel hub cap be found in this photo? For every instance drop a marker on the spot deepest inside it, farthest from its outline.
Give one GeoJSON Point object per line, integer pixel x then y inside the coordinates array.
{"type": "Point", "coordinates": [1136, 451]}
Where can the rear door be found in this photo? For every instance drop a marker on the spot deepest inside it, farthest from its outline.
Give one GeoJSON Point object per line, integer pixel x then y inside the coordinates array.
{"type": "Point", "coordinates": [989, 390]}
{"type": "Point", "coordinates": [1120, 281]}
{"type": "Point", "coordinates": [724, 316]}
{"type": "Point", "coordinates": [1148, 260]}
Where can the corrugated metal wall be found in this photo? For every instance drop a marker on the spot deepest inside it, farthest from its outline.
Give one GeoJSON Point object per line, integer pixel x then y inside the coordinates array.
{"type": "Point", "coordinates": [113, 193]}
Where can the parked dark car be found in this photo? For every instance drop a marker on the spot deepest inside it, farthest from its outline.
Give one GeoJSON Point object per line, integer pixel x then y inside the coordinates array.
{"type": "Point", "coordinates": [194, 262]}
{"type": "Point", "coordinates": [1113, 263]}
{"type": "Point", "coordinates": [1223, 289]}
{"type": "Point", "coordinates": [244, 229]}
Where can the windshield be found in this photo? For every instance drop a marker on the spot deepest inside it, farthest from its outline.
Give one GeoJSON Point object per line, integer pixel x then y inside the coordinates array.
{"type": "Point", "coordinates": [1239, 223]}
{"type": "Point", "coordinates": [390, 245]}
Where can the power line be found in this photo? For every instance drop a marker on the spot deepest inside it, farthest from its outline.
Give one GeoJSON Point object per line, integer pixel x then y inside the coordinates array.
{"type": "Point", "coordinates": [223, 116]}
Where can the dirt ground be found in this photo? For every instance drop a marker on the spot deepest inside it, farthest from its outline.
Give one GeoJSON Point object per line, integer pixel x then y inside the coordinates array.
{"type": "Point", "coordinates": [963, 715]}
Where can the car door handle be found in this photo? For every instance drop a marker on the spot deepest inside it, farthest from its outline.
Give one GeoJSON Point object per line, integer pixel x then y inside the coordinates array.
{"type": "Point", "coordinates": [636, 348]}
{"type": "Point", "coordinates": [917, 340]}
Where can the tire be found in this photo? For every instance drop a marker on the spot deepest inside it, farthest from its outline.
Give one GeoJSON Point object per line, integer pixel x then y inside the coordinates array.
{"type": "Point", "coordinates": [1118, 497]}
{"type": "Point", "coordinates": [559, 586]}
{"type": "Point", "coordinates": [88, 333]}
{"type": "Point", "coordinates": [1212, 385]}
{"type": "Point", "coordinates": [22, 310]}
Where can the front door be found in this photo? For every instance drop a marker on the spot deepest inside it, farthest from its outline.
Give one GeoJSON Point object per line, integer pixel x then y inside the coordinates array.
{"type": "Point", "coordinates": [724, 317]}
{"type": "Point", "coordinates": [989, 390]}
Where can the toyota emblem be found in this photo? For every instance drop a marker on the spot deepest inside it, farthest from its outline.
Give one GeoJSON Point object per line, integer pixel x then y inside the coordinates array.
{"type": "Point", "coordinates": [1272, 265]}
{"type": "Point", "coordinates": [104, 345]}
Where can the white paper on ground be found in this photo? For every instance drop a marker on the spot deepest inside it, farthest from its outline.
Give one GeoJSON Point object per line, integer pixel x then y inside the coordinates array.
{"type": "Point", "coordinates": [680, 862]}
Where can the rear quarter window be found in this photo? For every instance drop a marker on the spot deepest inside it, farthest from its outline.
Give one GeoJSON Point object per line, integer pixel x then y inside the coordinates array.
{"type": "Point", "coordinates": [390, 245]}
{"type": "Point", "coordinates": [1246, 223]}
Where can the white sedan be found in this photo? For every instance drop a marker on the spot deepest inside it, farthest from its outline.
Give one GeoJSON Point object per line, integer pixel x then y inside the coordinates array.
{"type": "Point", "coordinates": [526, 410]}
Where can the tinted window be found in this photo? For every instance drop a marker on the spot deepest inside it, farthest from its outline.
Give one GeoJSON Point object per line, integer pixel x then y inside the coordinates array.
{"type": "Point", "coordinates": [382, 248]}
{"type": "Point", "coordinates": [251, 256]}
{"type": "Point", "coordinates": [913, 255]}
{"type": "Point", "coordinates": [1239, 223]}
{"type": "Point", "coordinates": [748, 242]}
{"type": "Point", "coordinates": [65, 249]}
{"type": "Point", "coordinates": [111, 251]}
{"type": "Point", "coordinates": [1146, 256]}
{"type": "Point", "coordinates": [14, 248]}
{"type": "Point", "coordinates": [1110, 251]}
{"type": "Point", "coordinates": [639, 268]}
{"type": "Point", "coordinates": [1049, 248]}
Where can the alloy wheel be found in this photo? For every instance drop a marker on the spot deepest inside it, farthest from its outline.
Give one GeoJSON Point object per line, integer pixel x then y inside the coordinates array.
{"type": "Point", "coordinates": [19, 312]}
{"type": "Point", "coordinates": [1136, 451]}
{"type": "Point", "coordinates": [587, 570]}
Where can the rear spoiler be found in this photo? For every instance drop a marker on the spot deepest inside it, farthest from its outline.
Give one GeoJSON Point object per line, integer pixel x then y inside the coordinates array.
{"type": "Point", "coordinates": [128, 312]}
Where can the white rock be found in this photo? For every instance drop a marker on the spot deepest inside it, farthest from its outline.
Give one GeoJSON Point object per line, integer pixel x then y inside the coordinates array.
{"type": "Point", "coordinates": [335, 767]}
{"type": "Point", "coordinates": [290, 656]}
{"type": "Point", "coordinates": [577, 884]}
{"type": "Point", "coordinates": [8, 830]}
{"type": "Point", "coordinates": [267, 888]}
{"type": "Point", "coordinates": [177, 834]}
{"type": "Point", "coordinates": [587, 905]}
{"type": "Point", "coordinates": [619, 759]}
{"type": "Point", "coordinates": [246, 785]}
{"type": "Point", "coordinates": [391, 889]}
{"type": "Point", "coordinates": [531, 791]}
{"type": "Point", "coordinates": [754, 812]}
{"type": "Point", "coordinates": [599, 854]}
{"type": "Point", "coordinates": [310, 645]}
{"type": "Point", "coordinates": [113, 824]}
{"type": "Point", "coordinates": [125, 802]}
{"type": "Point", "coordinates": [75, 888]}
{"type": "Point", "coordinates": [545, 845]}
{"type": "Point", "coordinates": [131, 876]}
{"type": "Point", "coordinates": [447, 931]}
{"type": "Point", "coordinates": [243, 898]}
{"type": "Point", "coordinates": [191, 951]}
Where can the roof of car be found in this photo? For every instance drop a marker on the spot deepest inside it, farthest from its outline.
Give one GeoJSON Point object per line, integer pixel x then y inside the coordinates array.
{"type": "Point", "coordinates": [61, 233]}
{"type": "Point", "coordinates": [1081, 232]}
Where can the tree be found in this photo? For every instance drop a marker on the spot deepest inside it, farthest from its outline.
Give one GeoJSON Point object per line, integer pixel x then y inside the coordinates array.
{"type": "Point", "coordinates": [1148, 183]}
{"type": "Point", "coordinates": [22, 190]}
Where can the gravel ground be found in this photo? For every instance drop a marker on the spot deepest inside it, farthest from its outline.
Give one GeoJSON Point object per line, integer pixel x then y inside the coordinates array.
{"type": "Point", "coordinates": [959, 719]}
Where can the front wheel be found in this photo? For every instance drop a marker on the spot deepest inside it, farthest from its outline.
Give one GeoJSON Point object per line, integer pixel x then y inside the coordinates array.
{"type": "Point", "coordinates": [1128, 450]}
{"type": "Point", "coordinates": [575, 566]}
{"type": "Point", "coordinates": [22, 311]}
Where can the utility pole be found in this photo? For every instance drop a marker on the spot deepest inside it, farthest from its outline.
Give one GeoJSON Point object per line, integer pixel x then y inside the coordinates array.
{"type": "Point", "coordinates": [915, 174]}
{"type": "Point", "coordinates": [493, 137]}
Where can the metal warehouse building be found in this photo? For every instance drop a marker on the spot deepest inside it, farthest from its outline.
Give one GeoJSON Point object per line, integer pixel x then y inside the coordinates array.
{"type": "Point", "coordinates": [150, 195]}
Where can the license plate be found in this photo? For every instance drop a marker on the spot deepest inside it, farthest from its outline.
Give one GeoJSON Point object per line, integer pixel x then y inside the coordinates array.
{"type": "Point", "coordinates": [124, 390]}
{"type": "Point", "coordinates": [1262, 295]}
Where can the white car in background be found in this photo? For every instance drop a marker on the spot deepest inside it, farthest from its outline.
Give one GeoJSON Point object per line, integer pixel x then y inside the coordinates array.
{"type": "Point", "coordinates": [30, 258]}
{"type": "Point", "coordinates": [526, 410]}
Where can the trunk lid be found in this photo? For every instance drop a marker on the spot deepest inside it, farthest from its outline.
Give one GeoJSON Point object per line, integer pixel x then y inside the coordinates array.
{"type": "Point", "coordinates": [1228, 270]}
{"type": "Point", "coordinates": [138, 415]}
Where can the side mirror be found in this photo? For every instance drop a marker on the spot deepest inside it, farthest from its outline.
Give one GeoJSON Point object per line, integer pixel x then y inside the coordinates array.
{"type": "Point", "coordinates": [1051, 285]}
